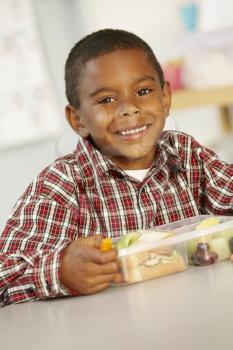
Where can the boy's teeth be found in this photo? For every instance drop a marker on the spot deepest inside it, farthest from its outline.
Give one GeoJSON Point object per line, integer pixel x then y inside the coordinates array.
{"type": "Point", "coordinates": [133, 131]}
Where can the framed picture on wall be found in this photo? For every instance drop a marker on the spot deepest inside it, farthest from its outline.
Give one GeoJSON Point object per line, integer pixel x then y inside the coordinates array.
{"type": "Point", "coordinates": [28, 105]}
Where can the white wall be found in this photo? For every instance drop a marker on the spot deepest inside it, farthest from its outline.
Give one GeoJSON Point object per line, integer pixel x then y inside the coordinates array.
{"type": "Point", "coordinates": [56, 22]}
{"type": "Point", "coordinates": [157, 22]}
{"type": "Point", "coordinates": [19, 166]}
{"type": "Point", "coordinates": [62, 23]}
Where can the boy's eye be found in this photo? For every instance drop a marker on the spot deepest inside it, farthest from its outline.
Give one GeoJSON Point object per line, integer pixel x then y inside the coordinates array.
{"type": "Point", "coordinates": [144, 91]}
{"type": "Point", "coordinates": [107, 99]}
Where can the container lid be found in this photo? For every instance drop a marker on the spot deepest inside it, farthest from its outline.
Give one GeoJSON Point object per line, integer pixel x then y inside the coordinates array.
{"type": "Point", "coordinates": [179, 238]}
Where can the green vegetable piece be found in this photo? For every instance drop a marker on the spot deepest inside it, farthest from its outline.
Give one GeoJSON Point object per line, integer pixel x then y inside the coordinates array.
{"type": "Point", "coordinates": [221, 247]}
{"type": "Point", "coordinates": [209, 222]}
{"type": "Point", "coordinates": [127, 240]}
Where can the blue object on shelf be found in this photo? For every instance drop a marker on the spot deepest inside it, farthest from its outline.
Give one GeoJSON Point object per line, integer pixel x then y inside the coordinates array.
{"type": "Point", "coordinates": [189, 14]}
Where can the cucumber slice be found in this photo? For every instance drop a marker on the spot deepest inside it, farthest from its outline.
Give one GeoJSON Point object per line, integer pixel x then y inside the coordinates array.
{"type": "Point", "coordinates": [221, 247]}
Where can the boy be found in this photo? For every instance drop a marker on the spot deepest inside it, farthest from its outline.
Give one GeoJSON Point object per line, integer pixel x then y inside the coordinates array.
{"type": "Point", "coordinates": [126, 174]}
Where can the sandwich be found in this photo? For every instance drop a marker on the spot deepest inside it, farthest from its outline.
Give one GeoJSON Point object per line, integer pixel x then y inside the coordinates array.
{"type": "Point", "coordinates": [140, 261]}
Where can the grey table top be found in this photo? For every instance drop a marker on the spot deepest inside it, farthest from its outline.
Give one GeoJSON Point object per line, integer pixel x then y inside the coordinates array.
{"type": "Point", "coordinates": [192, 310]}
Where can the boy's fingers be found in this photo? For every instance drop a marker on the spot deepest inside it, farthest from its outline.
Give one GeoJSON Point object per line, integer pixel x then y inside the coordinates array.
{"type": "Point", "coordinates": [104, 269]}
{"type": "Point", "coordinates": [108, 256]}
{"type": "Point", "coordinates": [97, 241]}
{"type": "Point", "coordinates": [119, 278]}
{"type": "Point", "coordinates": [98, 288]}
{"type": "Point", "coordinates": [101, 279]}
{"type": "Point", "coordinates": [104, 281]}
{"type": "Point", "coordinates": [98, 257]}
{"type": "Point", "coordinates": [93, 241]}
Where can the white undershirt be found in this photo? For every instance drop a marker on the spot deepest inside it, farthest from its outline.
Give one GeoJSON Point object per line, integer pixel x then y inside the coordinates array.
{"type": "Point", "coordinates": [137, 174]}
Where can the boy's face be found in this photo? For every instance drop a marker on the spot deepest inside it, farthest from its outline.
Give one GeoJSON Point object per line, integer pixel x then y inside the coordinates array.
{"type": "Point", "coordinates": [122, 107]}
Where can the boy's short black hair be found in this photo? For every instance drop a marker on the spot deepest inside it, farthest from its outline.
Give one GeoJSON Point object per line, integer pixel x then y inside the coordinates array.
{"type": "Point", "coordinates": [96, 44]}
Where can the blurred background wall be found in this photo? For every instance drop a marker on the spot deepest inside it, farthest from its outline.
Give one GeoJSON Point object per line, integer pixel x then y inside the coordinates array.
{"type": "Point", "coordinates": [169, 30]}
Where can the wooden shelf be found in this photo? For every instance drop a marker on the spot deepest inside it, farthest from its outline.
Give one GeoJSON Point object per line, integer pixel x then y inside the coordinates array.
{"type": "Point", "coordinates": [221, 97]}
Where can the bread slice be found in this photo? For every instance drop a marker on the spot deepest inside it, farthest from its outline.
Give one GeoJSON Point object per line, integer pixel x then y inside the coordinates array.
{"type": "Point", "coordinates": [133, 260]}
{"type": "Point", "coordinates": [143, 272]}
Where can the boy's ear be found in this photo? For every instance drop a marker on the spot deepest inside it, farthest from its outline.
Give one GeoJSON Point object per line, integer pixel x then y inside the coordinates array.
{"type": "Point", "coordinates": [167, 98]}
{"type": "Point", "coordinates": [73, 117]}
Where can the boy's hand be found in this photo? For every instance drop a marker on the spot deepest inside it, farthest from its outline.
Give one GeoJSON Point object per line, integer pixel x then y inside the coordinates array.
{"type": "Point", "coordinates": [87, 270]}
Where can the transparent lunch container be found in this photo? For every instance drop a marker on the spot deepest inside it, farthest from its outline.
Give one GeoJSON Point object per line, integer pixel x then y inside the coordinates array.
{"type": "Point", "coordinates": [167, 249]}
{"type": "Point", "coordinates": [152, 256]}
{"type": "Point", "coordinates": [208, 239]}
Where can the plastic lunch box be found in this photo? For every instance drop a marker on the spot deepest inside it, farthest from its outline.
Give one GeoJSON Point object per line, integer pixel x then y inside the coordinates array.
{"type": "Point", "coordinates": [170, 248]}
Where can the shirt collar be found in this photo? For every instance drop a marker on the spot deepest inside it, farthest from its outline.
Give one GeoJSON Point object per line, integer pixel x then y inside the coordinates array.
{"type": "Point", "coordinates": [167, 153]}
{"type": "Point", "coordinates": [95, 164]}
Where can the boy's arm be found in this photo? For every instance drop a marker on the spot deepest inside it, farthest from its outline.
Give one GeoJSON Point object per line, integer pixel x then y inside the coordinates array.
{"type": "Point", "coordinates": [217, 182]}
{"type": "Point", "coordinates": [30, 250]}
{"type": "Point", "coordinates": [43, 222]}
{"type": "Point", "coordinates": [86, 268]}
{"type": "Point", "coordinates": [40, 246]}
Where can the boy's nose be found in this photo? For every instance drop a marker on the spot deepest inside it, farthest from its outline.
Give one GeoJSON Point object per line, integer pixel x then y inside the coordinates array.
{"type": "Point", "coordinates": [127, 109]}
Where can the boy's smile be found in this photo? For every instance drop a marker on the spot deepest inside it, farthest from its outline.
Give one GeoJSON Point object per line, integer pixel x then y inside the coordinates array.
{"type": "Point", "coordinates": [122, 107]}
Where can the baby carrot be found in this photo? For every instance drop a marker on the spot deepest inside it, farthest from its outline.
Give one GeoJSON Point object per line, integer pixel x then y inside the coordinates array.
{"type": "Point", "coordinates": [106, 244]}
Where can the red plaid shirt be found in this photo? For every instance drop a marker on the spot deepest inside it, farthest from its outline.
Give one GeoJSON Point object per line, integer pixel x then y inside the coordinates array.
{"type": "Point", "coordinates": [84, 193]}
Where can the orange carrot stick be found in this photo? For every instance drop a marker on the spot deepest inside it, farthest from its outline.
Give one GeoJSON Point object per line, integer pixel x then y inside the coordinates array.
{"type": "Point", "coordinates": [106, 244]}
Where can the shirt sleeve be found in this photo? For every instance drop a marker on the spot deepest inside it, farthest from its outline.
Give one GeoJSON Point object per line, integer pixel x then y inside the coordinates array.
{"type": "Point", "coordinates": [216, 182]}
{"type": "Point", "coordinates": [31, 245]}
